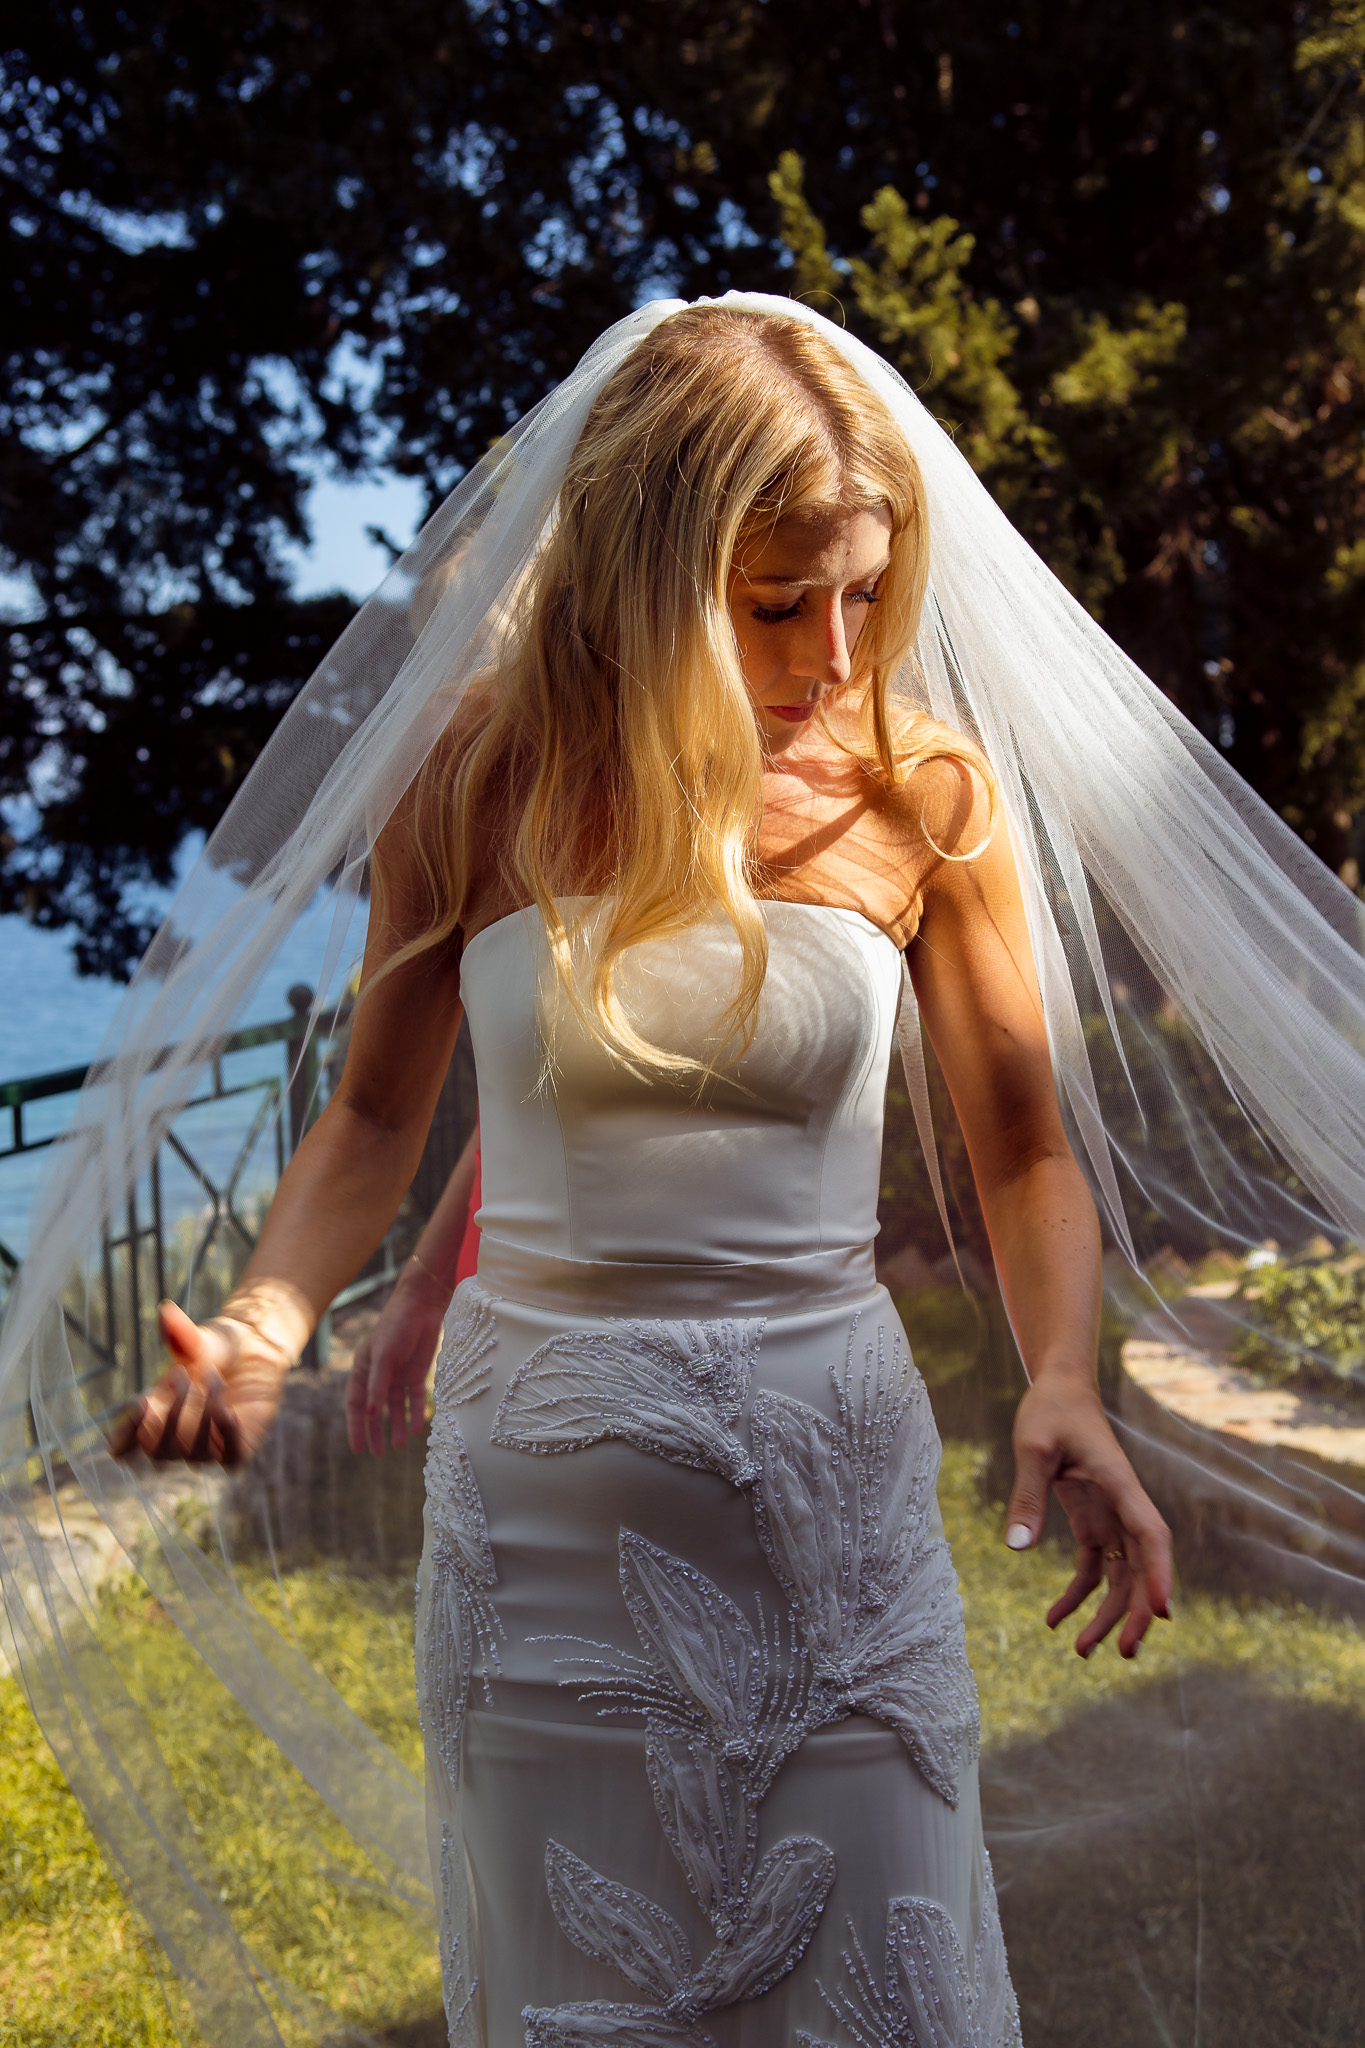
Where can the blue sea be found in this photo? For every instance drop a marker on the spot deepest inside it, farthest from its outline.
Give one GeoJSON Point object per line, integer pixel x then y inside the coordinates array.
{"type": "Point", "coordinates": [53, 1019]}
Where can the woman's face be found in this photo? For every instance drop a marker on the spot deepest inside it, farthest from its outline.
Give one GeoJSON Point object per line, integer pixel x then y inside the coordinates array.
{"type": "Point", "coordinates": [799, 597]}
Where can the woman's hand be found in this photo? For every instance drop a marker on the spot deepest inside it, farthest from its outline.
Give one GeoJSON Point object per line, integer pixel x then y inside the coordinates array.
{"type": "Point", "coordinates": [1063, 1440]}
{"type": "Point", "coordinates": [215, 1403]}
{"type": "Point", "coordinates": [392, 1363]}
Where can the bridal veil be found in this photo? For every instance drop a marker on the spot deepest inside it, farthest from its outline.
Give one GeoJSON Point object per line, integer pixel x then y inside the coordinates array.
{"type": "Point", "coordinates": [1204, 982]}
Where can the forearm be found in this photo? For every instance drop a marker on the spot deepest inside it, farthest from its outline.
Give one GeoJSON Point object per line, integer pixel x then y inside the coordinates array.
{"type": "Point", "coordinates": [438, 1248]}
{"type": "Point", "coordinates": [337, 1197]}
{"type": "Point", "coordinates": [1046, 1239]}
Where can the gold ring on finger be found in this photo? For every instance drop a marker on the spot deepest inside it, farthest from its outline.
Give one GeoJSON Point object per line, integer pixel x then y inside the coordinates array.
{"type": "Point", "coordinates": [1116, 1557]}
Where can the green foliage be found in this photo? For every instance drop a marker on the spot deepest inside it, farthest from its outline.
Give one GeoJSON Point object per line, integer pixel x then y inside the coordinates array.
{"type": "Point", "coordinates": [1139, 231]}
{"type": "Point", "coordinates": [1307, 1324]}
{"type": "Point", "coordinates": [959, 351]}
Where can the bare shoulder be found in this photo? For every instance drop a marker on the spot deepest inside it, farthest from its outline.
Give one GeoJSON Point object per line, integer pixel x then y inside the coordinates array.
{"type": "Point", "coordinates": [945, 808]}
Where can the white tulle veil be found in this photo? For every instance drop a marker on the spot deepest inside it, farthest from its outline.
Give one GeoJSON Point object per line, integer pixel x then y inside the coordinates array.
{"type": "Point", "coordinates": [1205, 993]}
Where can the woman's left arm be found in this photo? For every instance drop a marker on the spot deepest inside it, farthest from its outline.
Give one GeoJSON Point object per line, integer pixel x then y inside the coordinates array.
{"type": "Point", "coordinates": [972, 968]}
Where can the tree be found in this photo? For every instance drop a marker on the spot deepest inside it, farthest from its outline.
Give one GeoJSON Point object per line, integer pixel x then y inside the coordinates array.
{"type": "Point", "coordinates": [253, 239]}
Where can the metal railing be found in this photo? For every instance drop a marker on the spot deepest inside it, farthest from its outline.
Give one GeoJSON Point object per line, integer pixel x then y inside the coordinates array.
{"type": "Point", "coordinates": [117, 1343]}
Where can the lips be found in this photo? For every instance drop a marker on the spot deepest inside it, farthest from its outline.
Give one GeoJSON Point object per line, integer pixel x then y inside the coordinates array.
{"type": "Point", "coordinates": [795, 714]}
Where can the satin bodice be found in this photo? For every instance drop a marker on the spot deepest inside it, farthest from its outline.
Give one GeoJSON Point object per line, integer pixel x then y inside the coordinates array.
{"type": "Point", "coordinates": [775, 1158]}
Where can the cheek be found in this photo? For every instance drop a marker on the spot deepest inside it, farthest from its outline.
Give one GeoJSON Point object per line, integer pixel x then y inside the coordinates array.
{"type": "Point", "coordinates": [755, 653]}
{"type": "Point", "coordinates": [855, 624]}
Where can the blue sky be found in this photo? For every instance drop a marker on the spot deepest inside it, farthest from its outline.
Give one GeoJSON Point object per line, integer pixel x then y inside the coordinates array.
{"type": "Point", "coordinates": [59, 1018]}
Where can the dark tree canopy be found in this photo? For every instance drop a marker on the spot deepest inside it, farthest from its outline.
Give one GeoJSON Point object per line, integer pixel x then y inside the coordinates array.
{"type": "Point", "coordinates": [1119, 248]}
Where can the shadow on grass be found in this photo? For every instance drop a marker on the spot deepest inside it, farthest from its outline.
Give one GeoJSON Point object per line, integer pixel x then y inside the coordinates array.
{"type": "Point", "coordinates": [430, 2031]}
{"type": "Point", "coordinates": [1186, 1866]}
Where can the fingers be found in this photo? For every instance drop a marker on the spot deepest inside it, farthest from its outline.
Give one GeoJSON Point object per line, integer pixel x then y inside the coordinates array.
{"type": "Point", "coordinates": [1034, 1472]}
{"type": "Point", "coordinates": [184, 1418]}
{"type": "Point", "coordinates": [367, 1389]}
{"type": "Point", "coordinates": [1089, 1572]}
{"type": "Point", "coordinates": [376, 1396]}
{"type": "Point", "coordinates": [193, 1344]}
{"type": "Point", "coordinates": [399, 1392]}
{"type": "Point", "coordinates": [188, 1415]}
{"type": "Point", "coordinates": [1147, 1541]}
{"type": "Point", "coordinates": [1125, 1601]}
{"type": "Point", "coordinates": [357, 1393]}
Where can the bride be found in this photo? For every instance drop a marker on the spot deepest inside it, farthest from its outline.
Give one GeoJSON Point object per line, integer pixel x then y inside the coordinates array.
{"type": "Point", "coordinates": [700, 1731]}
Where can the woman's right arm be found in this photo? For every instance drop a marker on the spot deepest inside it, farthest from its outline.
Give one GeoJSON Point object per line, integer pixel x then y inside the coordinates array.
{"type": "Point", "coordinates": [335, 1200]}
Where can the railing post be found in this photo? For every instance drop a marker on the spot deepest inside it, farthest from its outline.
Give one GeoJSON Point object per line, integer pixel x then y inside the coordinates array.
{"type": "Point", "coordinates": [303, 1070]}
{"type": "Point", "coordinates": [158, 1227]}
{"type": "Point", "coordinates": [135, 1288]}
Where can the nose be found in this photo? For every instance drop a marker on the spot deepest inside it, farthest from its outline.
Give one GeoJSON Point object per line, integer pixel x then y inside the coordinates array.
{"type": "Point", "coordinates": [821, 654]}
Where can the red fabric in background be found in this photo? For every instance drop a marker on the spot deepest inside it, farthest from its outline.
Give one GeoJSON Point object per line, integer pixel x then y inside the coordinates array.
{"type": "Point", "coordinates": [469, 1244]}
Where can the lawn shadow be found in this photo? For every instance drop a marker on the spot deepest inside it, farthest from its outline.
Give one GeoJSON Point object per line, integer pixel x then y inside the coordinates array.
{"type": "Point", "coordinates": [1186, 1865]}
{"type": "Point", "coordinates": [430, 2031]}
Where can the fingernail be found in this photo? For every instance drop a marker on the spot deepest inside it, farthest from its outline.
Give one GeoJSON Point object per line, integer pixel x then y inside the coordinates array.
{"type": "Point", "coordinates": [1019, 1536]}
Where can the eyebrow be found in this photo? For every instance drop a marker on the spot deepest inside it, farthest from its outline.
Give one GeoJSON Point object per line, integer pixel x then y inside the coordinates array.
{"type": "Point", "coordinates": [811, 582]}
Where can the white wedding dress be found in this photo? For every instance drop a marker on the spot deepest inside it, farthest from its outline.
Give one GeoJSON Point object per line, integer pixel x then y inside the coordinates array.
{"type": "Point", "coordinates": [701, 1733]}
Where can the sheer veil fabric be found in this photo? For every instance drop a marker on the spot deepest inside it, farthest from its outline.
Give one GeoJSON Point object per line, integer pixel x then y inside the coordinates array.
{"type": "Point", "coordinates": [1204, 982]}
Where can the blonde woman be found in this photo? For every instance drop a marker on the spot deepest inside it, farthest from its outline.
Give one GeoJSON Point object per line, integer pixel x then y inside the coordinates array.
{"type": "Point", "coordinates": [700, 1729]}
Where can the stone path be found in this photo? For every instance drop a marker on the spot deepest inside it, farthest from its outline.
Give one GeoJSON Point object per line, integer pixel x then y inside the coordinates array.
{"type": "Point", "coordinates": [1190, 1376]}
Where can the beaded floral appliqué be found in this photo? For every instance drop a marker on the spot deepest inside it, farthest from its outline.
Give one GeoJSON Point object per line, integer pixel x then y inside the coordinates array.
{"type": "Point", "coordinates": [463, 1628]}
{"type": "Point", "coordinates": [844, 1509]}
{"type": "Point", "coordinates": [844, 1512]}
{"type": "Point", "coordinates": [675, 1389]}
{"type": "Point", "coordinates": [470, 1332]}
{"type": "Point", "coordinates": [927, 1997]}
{"type": "Point", "coordinates": [705, 1672]}
{"type": "Point", "coordinates": [456, 1996]}
{"type": "Point", "coordinates": [721, 1713]}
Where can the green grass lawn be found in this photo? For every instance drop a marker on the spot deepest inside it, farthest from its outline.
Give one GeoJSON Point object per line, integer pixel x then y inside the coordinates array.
{"type": "Point", "coordinates": [75, 1968]}
{"type": "Point", "coordinates": [1204, 1806]}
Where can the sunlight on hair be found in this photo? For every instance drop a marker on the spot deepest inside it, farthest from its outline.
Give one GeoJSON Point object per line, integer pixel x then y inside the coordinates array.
{"type": "Point", "coordinates": [616, 742]}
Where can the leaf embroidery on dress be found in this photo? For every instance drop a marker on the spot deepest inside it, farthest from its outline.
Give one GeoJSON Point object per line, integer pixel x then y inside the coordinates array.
{"type": "Point", "coordinates": [470, 1332]}
{"type": "Point", "coordinates": [773, 1926]}
{"type": "Point", "coordinates": [617, 1926]}
{"type": "Point", "coordinates": [722, 1709]}
{"type": "Point", "coordinates": [597, 2025]}
{"type": "Point", "coordinates": [674, 1389]}
{"type": "Point", "coordinates": [994, 2005]}
{"type": "Point", "coordinates": [456, 1997]}
{"type": "Point", "coordinates": [705, 1670]}
{"type": "Point", "coordinates": [463, 1627]}
{"type": "Point", "coordinates": [708, 1811]}
{"type": "Point", "coordinates": [844, 1513]}
{"type": "Point", "coordinates": [767, 1933]}
{"type": "Point", "coordinates": [926, 1998]}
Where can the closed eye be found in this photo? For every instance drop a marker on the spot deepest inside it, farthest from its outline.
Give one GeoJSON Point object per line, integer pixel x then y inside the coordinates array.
{"type": "Point", "coordinates": [767, 616]}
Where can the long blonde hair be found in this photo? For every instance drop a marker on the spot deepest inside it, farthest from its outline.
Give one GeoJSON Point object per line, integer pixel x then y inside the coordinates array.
{"type": "Point", "coordinates": [617, 743]}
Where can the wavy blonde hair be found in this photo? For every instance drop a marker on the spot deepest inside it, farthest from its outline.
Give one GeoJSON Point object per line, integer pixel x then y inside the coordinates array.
{"type": "Point", "coordinates": [617, 744]}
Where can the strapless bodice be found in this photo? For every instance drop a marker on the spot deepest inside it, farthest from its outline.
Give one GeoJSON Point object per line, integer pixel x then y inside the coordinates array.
{"type": "Point", "coordinates": [773, 1160]}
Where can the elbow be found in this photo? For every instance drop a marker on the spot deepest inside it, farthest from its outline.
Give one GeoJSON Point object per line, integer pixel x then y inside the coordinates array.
{"type": "Point", "coordinates": [1020, 1158]}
